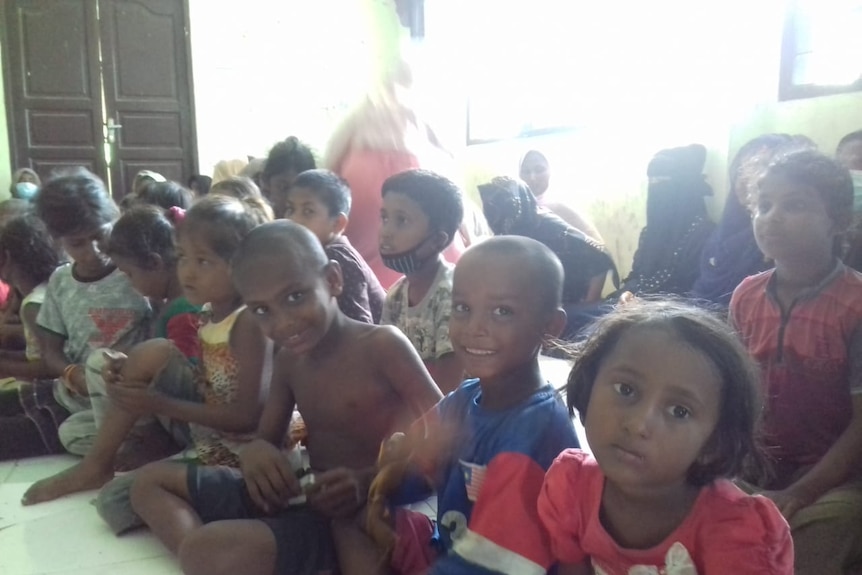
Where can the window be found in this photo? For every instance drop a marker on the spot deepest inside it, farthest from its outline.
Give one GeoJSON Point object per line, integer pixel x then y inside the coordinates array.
{"type": "Point", "coordinates": [822, 49]}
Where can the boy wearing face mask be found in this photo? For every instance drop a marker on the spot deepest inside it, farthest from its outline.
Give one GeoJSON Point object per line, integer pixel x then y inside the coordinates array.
{"type": "Point", "coordinates": [420, 216]}
{"type": "Point", "coordinates": [849, 154]}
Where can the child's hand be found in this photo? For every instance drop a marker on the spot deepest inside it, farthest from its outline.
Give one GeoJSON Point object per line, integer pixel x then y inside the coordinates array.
{"type": "Point", "coordinates": [789, 501]}
{"type": "Point", "coordinates": [338, 492]}
{"type": "Point", "coordinates": [268, 476]}
{"type": "Point", "coordinates": [113, 366]}
{"type": "Point", "coordinates": [76, 382]}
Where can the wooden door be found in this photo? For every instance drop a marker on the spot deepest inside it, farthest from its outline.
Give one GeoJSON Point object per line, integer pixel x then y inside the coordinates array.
{"type": "Point", "coordinates": [51, 53]}
{"type": "Point", "coordinates": [75, 67]}
{"type": "Point", "coordinates": [148, 88]}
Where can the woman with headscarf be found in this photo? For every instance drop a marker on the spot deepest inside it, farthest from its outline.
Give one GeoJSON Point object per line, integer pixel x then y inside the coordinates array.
{"type": "Point", "coordinates": [535, 171]}
{"type": "Point", "coordinates": [511, 209]}
{"type": "Point", "coordinates": [731, 253]}
{"type": "Point", "coordinates": [677, 226]}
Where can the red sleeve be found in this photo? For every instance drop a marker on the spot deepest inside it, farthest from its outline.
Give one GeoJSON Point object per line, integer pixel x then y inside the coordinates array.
{"type": "Point", "coordinates": [559, 508]}
{"type": "Point", "coordinates": [504, 532]}
{"type": "Point", "coordinates": [747, 537]}
{"type": "Point", "coordinates": [182, 330]}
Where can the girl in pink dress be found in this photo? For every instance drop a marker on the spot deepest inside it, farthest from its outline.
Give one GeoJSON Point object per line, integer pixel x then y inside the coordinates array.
{"type": "Point", "coordinates": [668, 398]}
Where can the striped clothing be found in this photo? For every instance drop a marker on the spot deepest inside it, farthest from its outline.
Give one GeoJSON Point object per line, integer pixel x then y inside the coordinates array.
{"type": "Point", "coordinates": [810, 356]}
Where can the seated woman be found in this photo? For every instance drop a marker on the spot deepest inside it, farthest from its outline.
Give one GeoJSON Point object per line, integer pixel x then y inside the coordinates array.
{"type": "Point", "coordinates": [511, 209]}
{"type": "Point", "coordinates": [731, 254]}
{"type": "Point", "coordinates": [677, 226]}
{"type": "Point", "coordinates": [536, 173]}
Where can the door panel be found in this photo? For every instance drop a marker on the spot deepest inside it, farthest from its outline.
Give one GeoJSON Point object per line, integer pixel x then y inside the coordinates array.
{"type": "Point", "coordinates": [53, 78]}
{"type": "Point", "coordinates": [147, 88]}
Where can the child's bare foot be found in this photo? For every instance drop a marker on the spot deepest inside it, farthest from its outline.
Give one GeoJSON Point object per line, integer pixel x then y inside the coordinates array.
{"type": "Point", "coordinates": [83, 476]}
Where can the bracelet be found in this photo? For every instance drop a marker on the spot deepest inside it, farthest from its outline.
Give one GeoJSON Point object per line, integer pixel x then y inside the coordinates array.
{"type": "Point", "coordinates": [67, 373]}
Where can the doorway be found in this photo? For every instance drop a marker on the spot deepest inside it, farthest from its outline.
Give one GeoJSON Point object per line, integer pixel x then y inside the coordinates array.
{"type": "Point", "coordinates": [104, 84]}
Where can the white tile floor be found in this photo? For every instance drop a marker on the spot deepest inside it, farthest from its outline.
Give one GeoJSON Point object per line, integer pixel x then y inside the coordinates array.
{"type": "Point", "coordinates": [68, 537]}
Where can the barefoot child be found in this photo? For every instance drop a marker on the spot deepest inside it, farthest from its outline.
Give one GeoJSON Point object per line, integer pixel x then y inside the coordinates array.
{"type": "Point", "coordinates": [420, 215]}
{"type": "Point", "coordinates": [320, 201]}
{"type": "Point", "coordinates": [490, 442]}
{"type": "Point", "coordinates": [669, 401]}
{"type": "Point", "coordinates": [88, 305]}
{"type": "Point", "coordinates": [354, 383]}
{"type": "Point", "coordinates": [802, 322]}
{"type": "Point", "coordinates": [141, 245]}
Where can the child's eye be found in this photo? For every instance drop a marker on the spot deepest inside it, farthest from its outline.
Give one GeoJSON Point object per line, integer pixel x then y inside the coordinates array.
{"type": "Point", "coordinates": [624, 389]}
{"type": "Point", "coordinates": [308, 212]}
{"type": "Point", "coordinates": [502, 311]}
{"type": "Point", "coordinates": [460, 308]}
{"type": "Point", "coordinates": [260, 310]}
{"type": "Point", "coordinates": [203, 262]}
{"type": "Point", "coordinates": [680, 412]}
{"type": "Point", "coordinates": [295, 297]}
{"type": "Point", "coordinates": [401, 220]}
{"type": "Point", "coordinates": [288, 211]}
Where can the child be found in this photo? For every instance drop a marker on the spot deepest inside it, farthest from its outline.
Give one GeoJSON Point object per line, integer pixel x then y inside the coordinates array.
{"type": "Point", "coordinates": [88, 305]}
{"type": "Point", "coordinates": [354, 384]}
{"type": "Point", "coordinates": [243, 188]}
{"type": "Point", "coordinates": [669, 400]}
{"type": "Point", "coordinates": [849, 154]}
{"type": "Point", "coordinates": [320, 201]}
{"type": "Point", "coordinates": [420, 215]}
{"type": "Point", "coordinates": [30, 255]}
{"type": "Point", "coordinates": [802, 322]}
{"type": "Point", "coordinates": [166, 195]}
{"type": "Point", "coordinates": [489, 443]}
{"type": "Point", "coordinates": [25, 184]}
{"type": "Point", "coordinates": [285, 161]}
{"type": "Point", "coordinates": [141, 246]}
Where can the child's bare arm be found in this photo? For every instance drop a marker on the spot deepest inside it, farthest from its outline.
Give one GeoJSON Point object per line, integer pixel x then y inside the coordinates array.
{"type": "Point", "coordinates": [448, 372]}
{"type": "Point", "coordinates": [268, 475]}
{"type": "Point", "coordinates": [51, 347]}
{"type": "Point", "coordinates": [241, 415]}
{"type": "Point", "coordinates": [405, 371]}
{"type": "Point", "coordinates": [16, 364]}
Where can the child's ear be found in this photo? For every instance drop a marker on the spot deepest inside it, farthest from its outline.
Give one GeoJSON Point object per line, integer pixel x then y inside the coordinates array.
{"type": "Point", "coordinates": [334, 279]}
{"type": "Point", "coordinates": [441, 240]}
{"type": "Point", "coordinates": [339, 224]}
{"type": "Point", "coordinates": [155, 261]}
{"type": "Point", "coordinates": [556, 323]}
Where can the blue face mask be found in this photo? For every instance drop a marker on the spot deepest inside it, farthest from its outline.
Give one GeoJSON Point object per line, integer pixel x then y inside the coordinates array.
{"type": "Point", "coordinates": [857, 190]}
{"type": "Point", "coordinates": [25, 190]}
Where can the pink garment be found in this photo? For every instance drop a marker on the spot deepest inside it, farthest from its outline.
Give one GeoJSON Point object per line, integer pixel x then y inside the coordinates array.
{"type": "Point", "coordinates": [365, 171]}
{"type": "Point", "coordinates": [726, 530]}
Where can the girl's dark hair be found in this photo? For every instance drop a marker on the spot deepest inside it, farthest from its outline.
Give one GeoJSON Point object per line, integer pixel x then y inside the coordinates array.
{"type": "Point", "coordinates": [203, 184]}
{"type": "Point", "coordinates": [142, 231]}
{"type": "Point", "coordinates": [291, 155]}
{"type": "Point", "coordinates": [439, 198]}
{"type": "Point", "coordinates": [29, 244]}
{"type": "Point", "coordinates": [733, 448]}
{"type": "Point", "coordinates": [223, 221]}
{"type": "Point", "coordinates": [74, 202]}
{"type": "Point", "coordinates": [166, 195]}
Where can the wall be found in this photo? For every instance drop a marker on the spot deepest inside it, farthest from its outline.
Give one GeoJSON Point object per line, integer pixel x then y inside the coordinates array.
{"type": "Point", "coordinates": [5, 157]}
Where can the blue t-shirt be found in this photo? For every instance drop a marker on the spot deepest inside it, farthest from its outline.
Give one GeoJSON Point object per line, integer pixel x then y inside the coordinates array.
{"type": "Point", "coordinates": [488, 487]}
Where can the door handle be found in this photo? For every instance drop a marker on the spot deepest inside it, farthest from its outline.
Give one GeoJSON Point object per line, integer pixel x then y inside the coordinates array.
{"type": "Point", "coordinates": [113, 128]}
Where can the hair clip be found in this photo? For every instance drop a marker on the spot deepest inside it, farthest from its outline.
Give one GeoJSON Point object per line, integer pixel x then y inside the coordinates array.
{"type": "Point", "coordinates": [176, 214]}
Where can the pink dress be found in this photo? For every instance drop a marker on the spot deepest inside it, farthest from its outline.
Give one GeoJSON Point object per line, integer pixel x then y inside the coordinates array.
{"type": "Point", "coordinates": [726, 530]}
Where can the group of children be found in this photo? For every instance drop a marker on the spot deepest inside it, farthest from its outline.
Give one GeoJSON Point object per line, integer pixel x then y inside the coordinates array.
{"type": "Point", "coordinates": [212, 327]}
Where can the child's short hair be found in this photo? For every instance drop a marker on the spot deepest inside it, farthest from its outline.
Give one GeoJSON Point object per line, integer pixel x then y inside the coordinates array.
{"type": "Point", "coordinates": [532, 259]}
{"type": "Point", "coordinates": [203, 183]}
{"type": "Point", "coordinates": [140, 232]}
{"type": "Point", "coordinates": [74, 202]}
{"type": "Point", "coordinates": [223, 221]}
{"type": "Point", "coordinates": [244, 189]}
{"type": "Point", "coordinates": [329, 188]}
{"type": "Point", "coordinates": [815, 170]}
{"type": "Point", "coordinates": [166, 195]}
{"type": "Point", "coordinates": [732, 448]}
{"type": "Point", "coordinates": [291, 155]}
{"type": "Point", "coordinates": [29, 243]}
{"type": "Point", "coordinates": [849, 139]}
{"type": "Point", "coordinates": [439, 197]}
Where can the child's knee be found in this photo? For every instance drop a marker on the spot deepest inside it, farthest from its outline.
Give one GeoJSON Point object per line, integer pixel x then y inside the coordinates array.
{"type": "Point", "coordinates": [146, 359]}
{"type": "Point", "coordinates": [158, 477]}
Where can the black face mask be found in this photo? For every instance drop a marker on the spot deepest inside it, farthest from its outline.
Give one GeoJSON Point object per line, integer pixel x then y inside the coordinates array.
{"type": "Point", "coordinates": [406, 262]}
